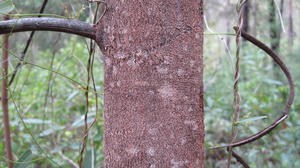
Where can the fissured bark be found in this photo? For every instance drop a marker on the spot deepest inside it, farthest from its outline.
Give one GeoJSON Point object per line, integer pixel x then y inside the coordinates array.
{"type": "Point", "coordinates": [153, 83]}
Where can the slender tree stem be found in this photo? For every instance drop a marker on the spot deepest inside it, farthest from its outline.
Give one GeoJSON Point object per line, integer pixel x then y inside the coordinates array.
{"type": "Point", "coordinates": [4, 100]}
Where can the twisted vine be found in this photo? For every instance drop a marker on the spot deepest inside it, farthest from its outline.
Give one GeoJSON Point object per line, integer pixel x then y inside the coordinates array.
{"type": "Point", "coordinates": [287, 107]}
{"type": "Point", "coordinates": [236, 94]}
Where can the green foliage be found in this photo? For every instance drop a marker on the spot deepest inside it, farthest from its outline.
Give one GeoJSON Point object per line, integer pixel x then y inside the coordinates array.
{"type": "Point", "coordinates": [89, 160]}
{"type": "Point", "coordinates": [6, 6]}
{"type": "Point", "coordinates": [53, 107]}
{"type": "Point", "coordinates": [24, 161]}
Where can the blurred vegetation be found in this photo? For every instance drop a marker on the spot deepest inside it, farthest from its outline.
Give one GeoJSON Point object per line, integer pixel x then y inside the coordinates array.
{"type": "Point", "coordinates": [47, 104]}
{"type": "Point", "coordinates": [263, 93]}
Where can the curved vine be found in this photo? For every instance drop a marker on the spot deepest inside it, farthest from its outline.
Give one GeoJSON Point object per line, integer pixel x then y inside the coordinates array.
{"type": "Point", "coordinates": [287, 107]}
{"type": "Point", "coordinates": [290, 100]}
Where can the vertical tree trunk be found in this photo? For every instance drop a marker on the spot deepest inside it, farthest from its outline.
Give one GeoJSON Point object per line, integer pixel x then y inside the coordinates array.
{"type": "Point", "coordinates": [245, 26]}
{"type": "Point", "coordinates": [153, 83]}
{"type": "Point", "coordinates": [291, 24]}
{"type": "Point", "coordinates": [4, 100]}
{"type": "Point", "coordinates": [246, 16]}
{"type": "Point", "coordinates": [275, 29]}
{"type": "Point", "coordinates": [255, 17]}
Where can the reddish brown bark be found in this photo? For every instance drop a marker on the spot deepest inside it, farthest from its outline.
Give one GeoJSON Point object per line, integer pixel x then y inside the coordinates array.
{"type": "Point", "coordinates": [153, 83]}
{"type": "Point", "coordinates": [4, 100]}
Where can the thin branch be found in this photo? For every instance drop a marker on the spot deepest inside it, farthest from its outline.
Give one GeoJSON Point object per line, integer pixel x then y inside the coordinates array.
{"type": "Point", "coordinates": [48, 24]}
{"type": "Point", "coordinates": [240, 160]}
{"type": "Point", "coordinates": [68, 160]}
{"type": "Point", "coordinates": [280, 15]}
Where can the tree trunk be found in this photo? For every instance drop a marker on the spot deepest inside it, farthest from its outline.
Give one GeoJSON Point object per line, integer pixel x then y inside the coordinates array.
{"type": "Point", "coordinates": [153, 83]}
{"type": "Point", "coordinates": [246, 21]}
{"type": "Point", "coordinates": [255, 17]}
{"type": "Point", "coordinates": [246, 16]}
{"type": "Point", "coordinates": [291, 25]}
{"type": "Point", "coordinates": [275, 28]}
{"type": "Point", "coordinates": [4, 100]}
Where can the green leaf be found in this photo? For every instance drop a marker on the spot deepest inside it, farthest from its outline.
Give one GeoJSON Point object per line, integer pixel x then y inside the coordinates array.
{"type": "Point", "coordinates": [36, 121]}
{"type": "Point", "coordinates": [24, 160]}
{"type": "Point", "coordinates": [6, 6]}
{"type": "Point", "coordinates": [80, 122]}
{"type": "Point", "coordinates": [250, 119]}
{"type": "Point", "coordinates": [51, 130]}
{"type": "Point", "coordinates": [274, 82]}
{"type": "Point", "coordinates": [209, 101]}
{"type": "Point", "coordinates": [72, 95]}
{"type": "Point", "coordinates": [88, 161]}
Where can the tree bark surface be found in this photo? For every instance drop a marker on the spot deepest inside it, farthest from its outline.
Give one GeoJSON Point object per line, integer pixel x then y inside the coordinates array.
{"type": "Point", "coordinates": [153, 83]}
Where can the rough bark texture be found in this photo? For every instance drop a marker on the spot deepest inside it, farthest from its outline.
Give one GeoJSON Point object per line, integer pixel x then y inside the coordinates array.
{"type": "Point", "coordinates": [153, 83]}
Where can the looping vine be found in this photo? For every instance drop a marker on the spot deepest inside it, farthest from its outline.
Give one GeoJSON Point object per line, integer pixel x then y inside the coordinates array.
{"type": "Point", "coordinates": [287, 107]}
{"type": "Point", "coordinates": [284, 69]}
{"type": "Point", "coordinates": [290, 100]}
